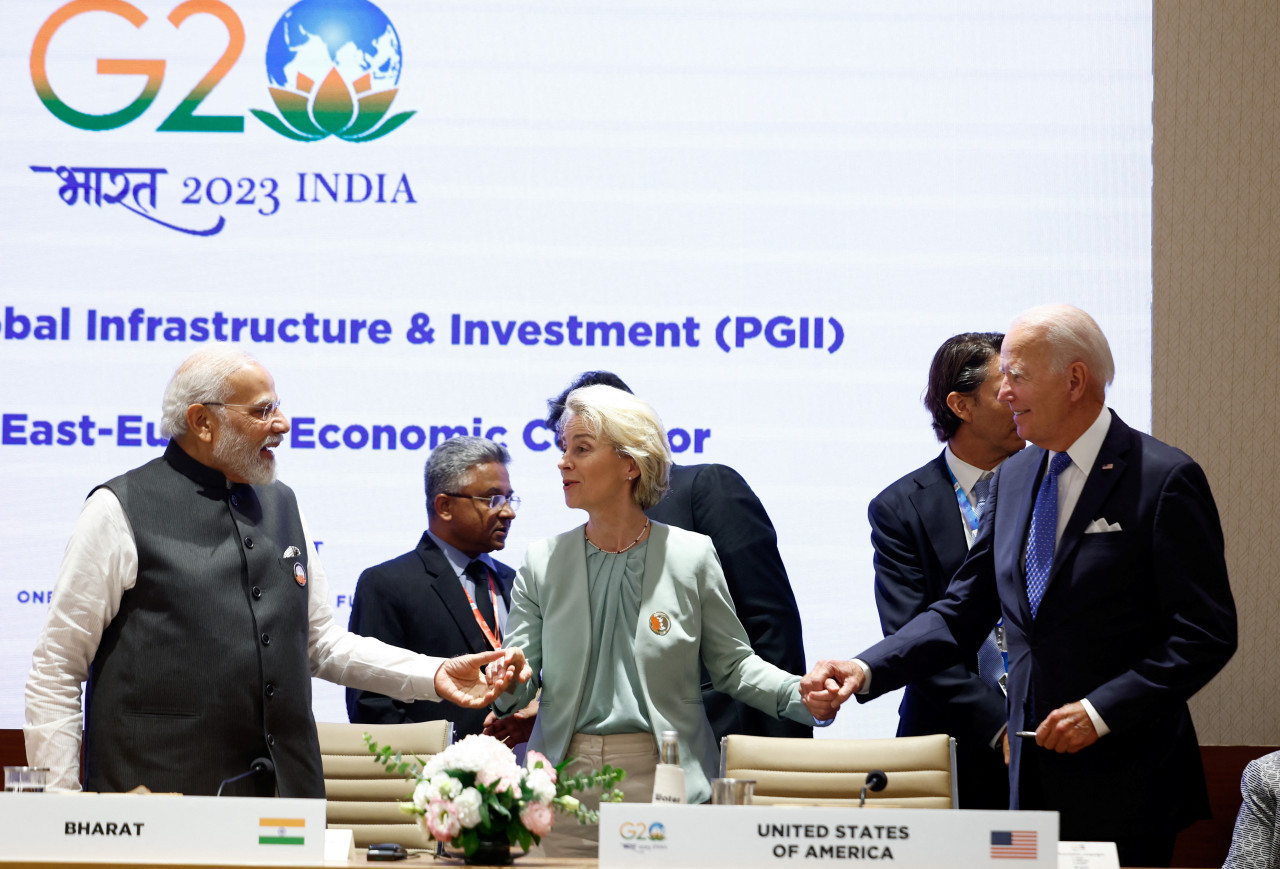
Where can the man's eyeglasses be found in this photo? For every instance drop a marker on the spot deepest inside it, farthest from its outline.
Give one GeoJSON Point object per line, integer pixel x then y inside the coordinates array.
{"type": "Point", "coordinates": [262, 411]}
{"type": "Point", "coordinates": [495, 502]}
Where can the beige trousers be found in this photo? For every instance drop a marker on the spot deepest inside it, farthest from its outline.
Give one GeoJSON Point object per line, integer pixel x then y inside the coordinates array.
{"type": "Point", "coordinates": [637, 753]}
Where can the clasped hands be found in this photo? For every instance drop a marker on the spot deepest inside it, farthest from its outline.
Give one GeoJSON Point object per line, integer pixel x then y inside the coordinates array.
{"type": "Point", "coordinates": [825, 688]}
{"type": "Point", "coordinates": [474, 681]}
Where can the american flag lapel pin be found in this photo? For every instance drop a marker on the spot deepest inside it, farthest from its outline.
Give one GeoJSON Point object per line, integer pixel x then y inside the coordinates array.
{"type": "Point", "coordinates": [1108, 466]}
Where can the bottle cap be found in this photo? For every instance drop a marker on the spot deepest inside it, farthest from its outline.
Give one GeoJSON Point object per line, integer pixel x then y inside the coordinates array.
{"type": "Point", "coordinates": [670, 747]}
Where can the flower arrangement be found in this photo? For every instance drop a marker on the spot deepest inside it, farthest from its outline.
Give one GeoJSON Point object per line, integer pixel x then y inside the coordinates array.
{"type": "Point", "coordinates": [475, 793]}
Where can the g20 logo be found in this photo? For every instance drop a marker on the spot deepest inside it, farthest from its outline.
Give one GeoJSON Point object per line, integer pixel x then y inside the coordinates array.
{"type": "Point", "coordinates": [332, 65]}
{"type": "Point", "coordinates": [637, 831]}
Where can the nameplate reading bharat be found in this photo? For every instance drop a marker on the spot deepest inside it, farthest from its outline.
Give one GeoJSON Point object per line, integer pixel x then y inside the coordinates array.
{"type": "Point", "coordinates": [162, 828]}
{"type": "Point", "coordinates": [756, 837]}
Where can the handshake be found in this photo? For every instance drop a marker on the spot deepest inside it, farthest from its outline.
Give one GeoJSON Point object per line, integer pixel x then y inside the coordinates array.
{"type": "Point", "coordinates": [475, 680]}
{"type": "Point", "coordinates": [824, 689]}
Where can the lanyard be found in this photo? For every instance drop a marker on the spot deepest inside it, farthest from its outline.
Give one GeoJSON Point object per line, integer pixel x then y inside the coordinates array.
{"type": "Point", "coordinates": [494, 641]}
{"type": "Point", "coordinates": [967, 511]}
{"type": "Point", "coordinates": [971, 520]}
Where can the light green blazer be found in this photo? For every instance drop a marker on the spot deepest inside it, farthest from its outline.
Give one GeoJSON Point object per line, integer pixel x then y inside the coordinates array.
{"type": "Point", "coordinates": [551, 621]}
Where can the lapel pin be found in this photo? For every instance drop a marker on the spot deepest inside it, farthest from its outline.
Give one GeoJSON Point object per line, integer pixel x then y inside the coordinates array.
{"type": "Point", "coordinates": [1108, 466]}
{"type": "Point", "coordinates": [300, 573]}
{"type": "Point", "coordinates": [660, 623]}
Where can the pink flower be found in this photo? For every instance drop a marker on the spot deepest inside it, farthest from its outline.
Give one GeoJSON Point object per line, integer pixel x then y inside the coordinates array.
{"type": "Point", "coordinates": [536, 759]}
{"type": "Point", "coordinates": [537, 818]}
{"type": "Point", "coordinates": [503, 778]}
{"type": "Point", "coordinates": [442, 821]}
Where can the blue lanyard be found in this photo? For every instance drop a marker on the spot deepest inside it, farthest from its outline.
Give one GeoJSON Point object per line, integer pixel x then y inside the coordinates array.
{"type": "Point", "coordinates": [971, 522]}
{"type": "Point", "coordinates": [966, 509]}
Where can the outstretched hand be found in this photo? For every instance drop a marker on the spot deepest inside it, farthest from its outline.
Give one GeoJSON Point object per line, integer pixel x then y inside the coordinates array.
{"type": "Point", "coordinates": [473, 681]}
{"type": "Point", "coordinates": [826, 687]}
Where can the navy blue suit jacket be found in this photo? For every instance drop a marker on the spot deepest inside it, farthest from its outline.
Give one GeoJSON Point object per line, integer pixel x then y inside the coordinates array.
{"type": "Point", "coordinates": [1135, 620]}
{"type": "Point", "coordinates": [415, 601]}
{"type": "Point", "coordinates": [919, 544]}
{"type": "Point", "coordinates": [714, 500]}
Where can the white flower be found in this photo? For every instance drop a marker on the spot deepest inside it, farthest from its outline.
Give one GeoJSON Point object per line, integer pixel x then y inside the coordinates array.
{"type": "Point", "coordinates": [491, 762]}
{"type": "Point", "coordinates": [467, 806]}
{"type": "Point", "coordinates": [540, 785]}
{"type": "Point", "coordinates": [446, 787]}
{"type": "Point", "coordinates": [537, 760]}
{"type": "Point", "coordinates": [423, 794]}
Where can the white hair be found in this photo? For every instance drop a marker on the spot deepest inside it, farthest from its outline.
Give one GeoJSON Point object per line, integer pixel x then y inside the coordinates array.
{"type": "Point", "coordinates": [203, 377]}
{"type": "Point", "coordinates": [1072, 336]}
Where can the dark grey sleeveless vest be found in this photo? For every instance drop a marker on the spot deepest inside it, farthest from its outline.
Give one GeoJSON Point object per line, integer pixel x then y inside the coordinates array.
{"type": "Point", "coordinates": [204, 668]}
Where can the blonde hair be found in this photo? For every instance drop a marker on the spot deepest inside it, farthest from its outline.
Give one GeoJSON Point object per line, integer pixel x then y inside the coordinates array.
{"type": "Point", "coordinates": [634, 430]}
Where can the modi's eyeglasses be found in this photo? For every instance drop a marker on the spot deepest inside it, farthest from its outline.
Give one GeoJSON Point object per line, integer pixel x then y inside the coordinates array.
{"type": "Point", "coordinates": [262, 411]}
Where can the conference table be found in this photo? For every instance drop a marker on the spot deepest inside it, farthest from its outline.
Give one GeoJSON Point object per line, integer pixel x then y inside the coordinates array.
{"type": "Point", "coordinates": [415, 859]}
{"type": "Point", "coordinates": [187, 832]}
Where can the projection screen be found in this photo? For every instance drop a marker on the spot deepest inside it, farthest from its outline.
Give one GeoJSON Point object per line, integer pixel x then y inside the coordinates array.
{"type": "Point", "coordinates": [425, 218]}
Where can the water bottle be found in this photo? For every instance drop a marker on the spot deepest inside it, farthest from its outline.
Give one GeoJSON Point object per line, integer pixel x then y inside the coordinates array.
{"type": "Point", "coordinates": [668, 777]}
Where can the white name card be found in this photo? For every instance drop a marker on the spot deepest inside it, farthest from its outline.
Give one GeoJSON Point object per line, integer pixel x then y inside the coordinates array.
{"type": "Point", "coordinates": [756, 837]}
{"type": "Point", "coordinates": [1088, 855]}
{"type": "Point", "coordinates": [162, 828]}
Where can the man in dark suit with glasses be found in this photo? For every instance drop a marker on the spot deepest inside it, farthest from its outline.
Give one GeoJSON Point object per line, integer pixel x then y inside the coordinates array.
{"type": "Point", "coordinates": [448, 593]}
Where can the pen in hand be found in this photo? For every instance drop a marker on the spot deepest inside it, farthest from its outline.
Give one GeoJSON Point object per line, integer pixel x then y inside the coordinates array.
{"type": "Point", "coordinates": [1026, 734]}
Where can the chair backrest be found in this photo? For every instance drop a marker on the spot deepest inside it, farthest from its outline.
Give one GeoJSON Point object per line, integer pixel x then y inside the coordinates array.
{"type": "Point", "coordinates": [360, 795]}
{"type": "Point", "coordinates": [831, 772]}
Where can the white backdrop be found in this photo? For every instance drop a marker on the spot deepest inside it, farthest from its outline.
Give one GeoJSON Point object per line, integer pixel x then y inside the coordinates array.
{"type": "Point", "coordinates": [892, 173]}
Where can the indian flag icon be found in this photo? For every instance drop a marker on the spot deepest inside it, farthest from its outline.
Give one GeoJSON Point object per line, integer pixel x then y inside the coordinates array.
{"type": "Point", "coordinates": [281, 831]}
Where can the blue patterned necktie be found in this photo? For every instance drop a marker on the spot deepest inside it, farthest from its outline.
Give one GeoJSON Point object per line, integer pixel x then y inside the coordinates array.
{"type": "Point", "coordinates": [1044, 531]}
{"type": "Point", "coordinates": [980, 490]}
{"type": "Point", "coordinates": [990, 659]}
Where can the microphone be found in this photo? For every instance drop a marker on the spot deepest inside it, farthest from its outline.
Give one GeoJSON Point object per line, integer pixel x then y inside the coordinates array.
{"type": "Point", "coordinates": [876, 781]}
{"type": "Point", "coordinates": [264, 765]}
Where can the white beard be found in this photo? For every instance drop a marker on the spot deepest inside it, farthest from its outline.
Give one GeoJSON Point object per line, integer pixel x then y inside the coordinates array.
{"type": "Point", "coordinates": [238, 457]}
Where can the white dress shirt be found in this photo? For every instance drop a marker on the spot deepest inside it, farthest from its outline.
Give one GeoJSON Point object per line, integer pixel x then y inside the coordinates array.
{"type": "Point", "coordinates": [967, 476]}
{"type": "Point", "coordinates": [100, 564]}
{"type": "Point", "coordinates": [1083, 453]}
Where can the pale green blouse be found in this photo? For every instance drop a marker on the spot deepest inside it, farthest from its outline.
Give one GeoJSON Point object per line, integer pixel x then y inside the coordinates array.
{"type": "Point", "coordinates": [611, 701]}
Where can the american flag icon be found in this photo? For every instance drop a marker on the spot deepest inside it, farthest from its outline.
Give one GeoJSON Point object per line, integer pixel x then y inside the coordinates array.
{"type": "Point", "coordinates": [1013, 844]}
